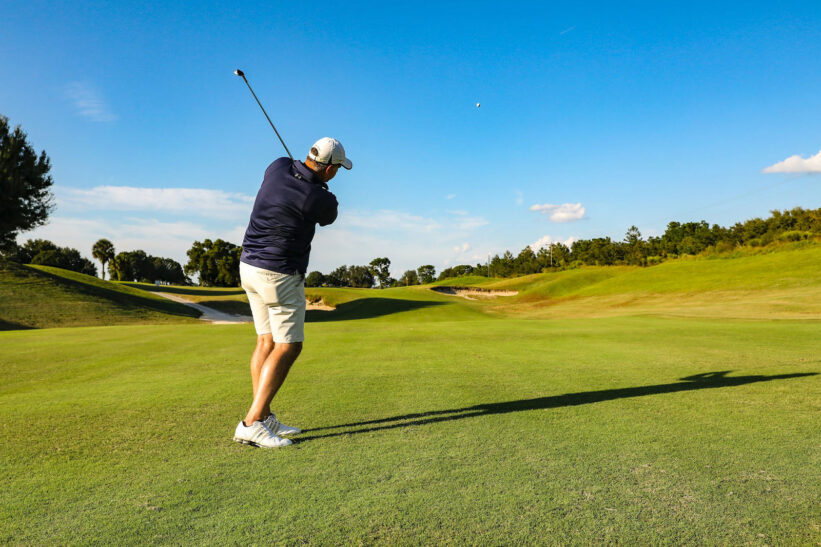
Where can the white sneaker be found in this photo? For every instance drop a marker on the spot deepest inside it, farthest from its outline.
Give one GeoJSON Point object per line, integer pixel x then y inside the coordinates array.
{"type": "Point", "coordinates": [279, 428]}
{"type": "Point", "coordinates": [258, 434]}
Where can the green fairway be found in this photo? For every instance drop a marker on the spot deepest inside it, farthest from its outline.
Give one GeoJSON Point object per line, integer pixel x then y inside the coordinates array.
{"type": "Point", "coordinates": [674, 404]}
{"type": "Point", "coordinates": [429, 423]}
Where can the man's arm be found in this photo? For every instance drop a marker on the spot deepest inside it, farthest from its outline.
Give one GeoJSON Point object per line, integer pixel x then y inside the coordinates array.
{"type": "Point", "coordinates": [321, 207]}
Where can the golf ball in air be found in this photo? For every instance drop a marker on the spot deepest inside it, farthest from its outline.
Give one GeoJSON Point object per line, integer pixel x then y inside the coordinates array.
{"type": "Point", "coordinates": [478, 105]}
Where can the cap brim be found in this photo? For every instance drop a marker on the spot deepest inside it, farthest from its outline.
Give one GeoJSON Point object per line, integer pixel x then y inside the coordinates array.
{"type": "Point", "coordinates": [346, 163]}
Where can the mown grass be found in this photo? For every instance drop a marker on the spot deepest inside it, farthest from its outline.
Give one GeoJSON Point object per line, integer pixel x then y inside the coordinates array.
{"type": "Point", "coordinates": [43, 296]}
{"type": "Point", "coordinates": [435, 419]}
{"type": "Point", "coordinates": [419, 429]}
{"type": "Point", "coordinates": [784, 284]}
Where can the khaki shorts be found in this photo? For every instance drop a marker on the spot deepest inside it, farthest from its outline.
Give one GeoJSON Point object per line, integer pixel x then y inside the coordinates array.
{"type": "Point", "coordinates": [277, 302]}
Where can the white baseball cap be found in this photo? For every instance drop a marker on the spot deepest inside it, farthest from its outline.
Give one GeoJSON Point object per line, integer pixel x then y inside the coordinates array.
{"type": "Point", "coordinates": [328, 150]}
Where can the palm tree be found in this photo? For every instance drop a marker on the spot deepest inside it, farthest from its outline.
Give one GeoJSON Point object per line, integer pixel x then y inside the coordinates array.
{"type": "Point", "coordinates": [103, 251]}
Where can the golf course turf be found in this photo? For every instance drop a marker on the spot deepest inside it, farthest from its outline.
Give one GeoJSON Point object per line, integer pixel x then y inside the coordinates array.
{"type": "Point", "coordinates": [43, 296]}
{"type": "Point", "coordinates": [428, 419]}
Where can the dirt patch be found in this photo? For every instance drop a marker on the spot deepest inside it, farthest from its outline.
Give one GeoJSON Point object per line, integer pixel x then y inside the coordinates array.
{"type": "Point", "coordinates": [473, 293]}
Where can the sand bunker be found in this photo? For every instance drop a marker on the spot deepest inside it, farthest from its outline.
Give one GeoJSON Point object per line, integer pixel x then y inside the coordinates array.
{"type": "Point", "coordinates": [317, 304]}
{"type": "Point", "coordinates": [473, 293]}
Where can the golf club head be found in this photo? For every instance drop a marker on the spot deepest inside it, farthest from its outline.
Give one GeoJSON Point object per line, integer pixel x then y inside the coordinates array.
{"type": "Point", "coordinates": [238, 72]}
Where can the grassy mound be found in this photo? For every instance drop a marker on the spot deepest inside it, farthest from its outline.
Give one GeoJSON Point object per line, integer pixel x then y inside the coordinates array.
{"type": "Point", "coordinates": [43, 296]}
{"type": "Point", "coordinates": [781, 284]}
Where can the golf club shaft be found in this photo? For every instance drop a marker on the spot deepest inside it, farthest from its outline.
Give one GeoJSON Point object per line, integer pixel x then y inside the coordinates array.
{"type": "Point", "coordinates": [266, 116]}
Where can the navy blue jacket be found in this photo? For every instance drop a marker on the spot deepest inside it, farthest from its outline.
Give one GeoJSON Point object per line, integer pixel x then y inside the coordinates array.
{"type": "Point", "coordinates": [290, 203]}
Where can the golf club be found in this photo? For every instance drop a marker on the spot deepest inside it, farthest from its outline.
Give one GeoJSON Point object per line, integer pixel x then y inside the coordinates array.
{"type": "Point", "coordinates": [241, 74]}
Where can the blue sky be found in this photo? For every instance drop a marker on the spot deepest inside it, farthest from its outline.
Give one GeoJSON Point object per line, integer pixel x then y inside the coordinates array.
{"type": "Point", "coordinates": [593, 117]}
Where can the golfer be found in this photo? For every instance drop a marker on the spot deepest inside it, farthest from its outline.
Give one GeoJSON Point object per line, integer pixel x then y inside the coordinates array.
{"type": "Point", "coordinates": [293, 199]}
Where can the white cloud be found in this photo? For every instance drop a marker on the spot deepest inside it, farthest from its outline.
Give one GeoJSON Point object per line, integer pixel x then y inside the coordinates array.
{"type": "Point", "coordinates": [545, 241]}
{"type": "Point", "coordinates": [155, 237]}
{"type": "Point", "coordinates": [797, 164]}
{"type": "Point", "coordinates": [565, 212]}
{"type": "Point", "coordinates": [565, 31]}
{"type": "Point", "coordinates": [520, 197]}
{"type": "Point", "coordinates": [408, 240]}
{"type": "Point", "coordinates": [402, 222]}
{"type": "Point", "coordinates": [468, 224]}
{"type": "Point", "coordinates": [387, 220]}
{"type": "Point", "coordinates": [188, 201]}
{"type": "Point", "coordinates": [89, 102]}
{"type": "Point", "coordinates": [450, 196]}
{"type": "Point", "coordinates": [334, 246]}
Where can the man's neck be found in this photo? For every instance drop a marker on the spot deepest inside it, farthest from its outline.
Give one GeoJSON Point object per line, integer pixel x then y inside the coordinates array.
{"type": "Point", "coordinates": [311, 164]}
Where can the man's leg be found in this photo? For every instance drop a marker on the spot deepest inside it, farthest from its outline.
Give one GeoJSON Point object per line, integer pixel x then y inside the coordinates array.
{"type": "Point", "coordinates": [271, 376]}
{"type": "Point", "coordinates": [265, 345]}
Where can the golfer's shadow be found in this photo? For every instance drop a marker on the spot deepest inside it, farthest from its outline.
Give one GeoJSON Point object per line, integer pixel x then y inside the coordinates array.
{"type": "Point", "coordinates": [707, 380]}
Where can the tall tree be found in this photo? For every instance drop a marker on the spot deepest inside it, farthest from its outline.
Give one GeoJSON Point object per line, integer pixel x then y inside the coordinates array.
{"type": "Point", "coordinates": [409, 278]}
{"type": "Point", "coordinates": [216, 262]}
{"type": "Point", "coordinates": [380, 269]}
{"type": "Point", "coordinates": [130, 266]}
{"type": "Point", "coordinates": [103, 251]}
{"type": "Point", "coordinates": [167, 269]}
{"type": "Point", "coordinates": [636, 251]}
{"type": "Point", "coordinates": [360, 277]}
{"type": "Point", "coordinates": [314, 279]}
{"type": "Point", "coordinates": [338, 277]}
{"type": "Point", "coordinates": [25, 199]}
{"type": "Point", "coordinates": [426, 273]}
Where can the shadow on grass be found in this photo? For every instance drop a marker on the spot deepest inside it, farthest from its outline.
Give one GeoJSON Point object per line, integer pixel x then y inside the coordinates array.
{"type": "Point", "coordinates": [234, 307]}
{"type": "Point", "coordinates": [707, 380]}
{"type": "Point", "coordinates": [367, 308]}
{"type": "Point", "coordinates": [176, 289]}
{"type": "Point", "coordinates": [121, 298]}
{"type": "Point", "coordinates": [8, 325]}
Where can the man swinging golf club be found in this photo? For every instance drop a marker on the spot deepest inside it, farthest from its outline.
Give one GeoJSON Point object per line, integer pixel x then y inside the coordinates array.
{"type": "Point", "coordinates": [292, 200]}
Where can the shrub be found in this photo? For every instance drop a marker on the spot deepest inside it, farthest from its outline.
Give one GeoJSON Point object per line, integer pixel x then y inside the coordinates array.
{"type": "Point", "coordinates": [795, 235]}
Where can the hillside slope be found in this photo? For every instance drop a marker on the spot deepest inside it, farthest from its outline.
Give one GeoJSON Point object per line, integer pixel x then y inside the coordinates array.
{"type": "Point", "coordinates": [784, 284]}
{"type": "Point", "coordinates": [42, 296]}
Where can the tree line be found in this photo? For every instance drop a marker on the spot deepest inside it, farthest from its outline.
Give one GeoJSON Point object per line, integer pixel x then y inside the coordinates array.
{"type": "Point", "coordinates": [124, 266]}
{"type": "Point", "coordinates": [45, 253]}
{"type": "Point", "coordinates": [377, 272]}
{"type": "Point", "coordinates": [216, 262]}
{"type": "Point", "coordinates": [688, 238]}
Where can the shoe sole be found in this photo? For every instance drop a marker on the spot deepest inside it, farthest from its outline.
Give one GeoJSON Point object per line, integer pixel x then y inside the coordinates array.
{"type": "Point", "coordinates": [252, 443]}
